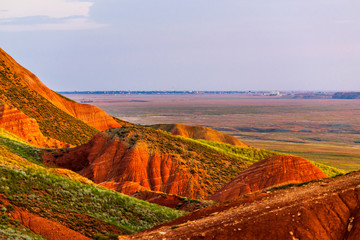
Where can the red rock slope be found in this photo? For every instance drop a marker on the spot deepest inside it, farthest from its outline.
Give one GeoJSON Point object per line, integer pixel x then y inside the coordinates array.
{"type": "Point", "coordinates": [27, 128]}
{"type": "Point", "coordinates": [268, 173]}
{"type": "Point", "coordinates": [196, 132]}
{"type": "Point", "coordinates": [129, 159]}
{"type": "Point", "coordinates": [324, 210]}
{"type": "Point", "coordinates": [89, 114]}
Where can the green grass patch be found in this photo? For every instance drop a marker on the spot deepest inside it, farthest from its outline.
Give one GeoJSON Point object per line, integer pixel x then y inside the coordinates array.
{"type": "Point", "coordinates": [31, 154]}
{"type": "Point", "coordinates": [55, 197]}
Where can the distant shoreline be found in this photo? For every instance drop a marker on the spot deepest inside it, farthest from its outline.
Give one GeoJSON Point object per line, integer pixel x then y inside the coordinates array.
{"type": "Point", "coordinates": [276, 94]}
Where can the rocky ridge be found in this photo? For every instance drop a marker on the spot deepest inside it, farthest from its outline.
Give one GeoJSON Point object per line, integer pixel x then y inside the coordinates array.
{"type": "Point", "coordinates": [324, 210]}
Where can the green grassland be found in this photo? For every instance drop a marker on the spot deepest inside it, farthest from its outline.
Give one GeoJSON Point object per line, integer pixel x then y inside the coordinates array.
{"type": "Point", "coordinates": [253, 155]}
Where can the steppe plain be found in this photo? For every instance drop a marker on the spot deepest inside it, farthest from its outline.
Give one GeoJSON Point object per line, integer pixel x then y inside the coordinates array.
{"type": "Point", "coordinates": [322, 130]}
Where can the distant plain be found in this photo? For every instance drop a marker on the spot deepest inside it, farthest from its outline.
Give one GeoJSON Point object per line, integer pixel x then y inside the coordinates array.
{"type": "Point", "coordinates": [322, 130]}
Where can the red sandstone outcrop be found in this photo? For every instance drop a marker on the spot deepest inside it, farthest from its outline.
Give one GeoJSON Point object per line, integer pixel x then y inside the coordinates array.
{"type": "Point", "coordinates": [16, 122]}
{"type": "Point", "coordinates": [197, 132]}
{"type": "Point", "coordinates": [115, 164]}
{"type": "Point", "coordinates": [89, 114]}
{"type": "Point", "coordinates": [324, 210]}
{"type": "Point", "coordinates": [268, 173]}
{"type": "Point", "coordinates": [130, 159]}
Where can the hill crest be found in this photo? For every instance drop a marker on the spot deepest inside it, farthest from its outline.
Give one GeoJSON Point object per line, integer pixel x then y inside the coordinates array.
{"type": "Point", "coordinates": [268, 173]}
{"type": "Point", "coordinates": [198, 132]}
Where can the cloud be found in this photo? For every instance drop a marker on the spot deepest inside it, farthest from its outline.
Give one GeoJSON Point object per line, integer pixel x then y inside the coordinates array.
{"type": "Point", "coordinates": [10, 9]}
{"type": "Point", "coordinates": [45, 15]}
{"type": "Point", "coordinates": [69, 24]}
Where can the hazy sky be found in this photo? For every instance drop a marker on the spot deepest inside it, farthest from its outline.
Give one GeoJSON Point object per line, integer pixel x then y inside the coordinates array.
{"type": "Point", "coordinates": [186, 45]}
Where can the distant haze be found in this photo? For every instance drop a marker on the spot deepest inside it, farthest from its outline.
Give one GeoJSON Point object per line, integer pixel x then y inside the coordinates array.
{"type": "Point", "coordinates": [186, 45]}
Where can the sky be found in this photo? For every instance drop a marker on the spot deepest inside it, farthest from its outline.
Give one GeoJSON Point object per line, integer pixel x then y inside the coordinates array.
{"type": "Point", "coordinates": [239, 45]}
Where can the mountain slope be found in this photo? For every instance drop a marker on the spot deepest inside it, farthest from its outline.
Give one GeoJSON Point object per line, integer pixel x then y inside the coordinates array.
{"type": "Point", "coordinates": [57, 116]}
{"type": "Point", "coordinates": [89, 114]}
{"type": "Point", "coordinates": [129, 159]}
{"type": "Point", "coordinates": [60, 204]}
{"type": "Point", "coordinates": [271, 172]}
{"type": "Point", "coordinates": [323, 210]}
{"type": "Point", "coordinates": [196, 132]}
{"type": "Point", "coordinates": [26, 128]}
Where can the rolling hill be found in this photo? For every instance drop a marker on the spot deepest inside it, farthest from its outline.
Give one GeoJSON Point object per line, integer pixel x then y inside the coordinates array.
{"type": "Point", "coordinates": [58, 117]}
{"type": "Point", "coordinates": [135, 158]}
{"type": "Point", "coordinates": [268, 173]}
{"type": "Point", "coordinates": [323, 210]}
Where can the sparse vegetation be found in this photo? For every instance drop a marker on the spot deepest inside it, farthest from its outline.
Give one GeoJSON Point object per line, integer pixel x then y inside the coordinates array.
{"type": "Point", "coordinates": [10, 232]}
{"type": "Point", "coordinates": [52, 121]}
{"type": "Point", "coordinates": [60, 199]}
{"type": "Point", "coordinates": [82, 207]}
{"type": "Point", "coordinates": [251, 155]}
{"type": "Point", "coordinates": [28, 152]}
{"type": "Point", "coordinates": [198, 159]}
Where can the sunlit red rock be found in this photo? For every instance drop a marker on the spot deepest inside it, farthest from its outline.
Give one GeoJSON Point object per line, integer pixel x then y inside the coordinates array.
{"type": "Point", "coordinates": [268, 173]}
{"type": "Point", "coordinates": [16, 122]}
{"type": "Point", "coordinates": [130, 159]}
{"type": "Point", "coordinates": [116, 164]}
{"type": "Point", "coordinates": [89, 114]}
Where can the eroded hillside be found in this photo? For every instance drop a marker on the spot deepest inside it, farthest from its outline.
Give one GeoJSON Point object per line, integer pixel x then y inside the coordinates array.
{"type": "Point", "coordinates": [58, 117]}
{"type": "Point", "coordinates": [129, 159]}
{"type": "Point", "coordinates": [268, 173]}
{"type": "Point", "coordinates": [60, 204]}
{"type": "Point", "coordinates": [322, 210]}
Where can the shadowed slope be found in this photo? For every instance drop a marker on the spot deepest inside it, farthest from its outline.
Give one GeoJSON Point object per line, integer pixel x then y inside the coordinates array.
{"type": "Point", "coordinates": [196, 132]}
{"type": "Point", "coordinates": [268, 173]}
{"type": "Point", "coordinates": [129, 159]}
{"type": "Point", "coordinates": [49, 229]}
{"type": "Point", "coordinates": [172, 200]}
{"type": "Point", "coordinates": [323, 210]}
